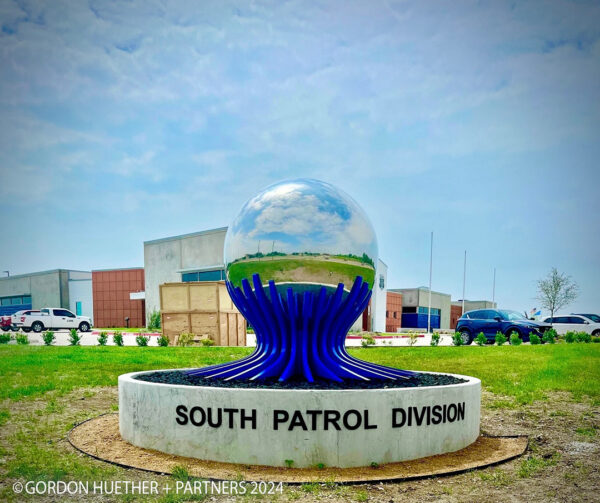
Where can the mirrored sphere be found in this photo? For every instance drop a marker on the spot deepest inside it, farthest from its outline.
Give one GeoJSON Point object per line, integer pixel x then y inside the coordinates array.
{"type": "Point", "coordinates": [302, 234]}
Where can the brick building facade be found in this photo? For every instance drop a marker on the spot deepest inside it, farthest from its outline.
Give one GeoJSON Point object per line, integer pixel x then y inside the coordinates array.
{"type": "Point", "coordinates": [393, 312]}
{"type": "Point", "coordinates": [455, 314]}
{"type": "Point", "coordinates": [110, 290]}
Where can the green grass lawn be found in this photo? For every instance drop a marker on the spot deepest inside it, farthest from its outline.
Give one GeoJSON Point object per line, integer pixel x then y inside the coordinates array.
{"type": "Point", "coordinates": [44, 391]}
{"type": "Point", "coordinates": [311, 270]}
{"type": "Point", "coordinates": [522, 372]}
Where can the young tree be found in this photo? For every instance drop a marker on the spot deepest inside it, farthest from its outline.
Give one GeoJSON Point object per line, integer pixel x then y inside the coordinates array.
{"type": "Point", "coordinates": [556, 291]}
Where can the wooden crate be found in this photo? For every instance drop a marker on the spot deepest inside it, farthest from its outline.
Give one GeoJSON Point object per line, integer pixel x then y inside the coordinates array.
{"type": "Point", "coordinates": [203, 308]}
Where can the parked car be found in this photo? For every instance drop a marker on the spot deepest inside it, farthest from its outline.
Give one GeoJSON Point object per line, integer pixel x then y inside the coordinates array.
{"type": "Point", "coordinates": [15, 318]}
{"type": "Point", "coordinates": [573, 323]}
{"type": "Point", "coordinates": [592, 317]}
{"type": "Point", "coordinates": [5, 323]}
{"type": "Point", "coordinates": [491, 321]}
{"type": "Point", "coordinates": [55, 319]}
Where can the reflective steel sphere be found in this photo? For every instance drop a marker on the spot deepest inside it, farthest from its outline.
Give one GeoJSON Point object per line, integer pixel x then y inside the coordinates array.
{"type": "Point", "coordinates": [302, 234]}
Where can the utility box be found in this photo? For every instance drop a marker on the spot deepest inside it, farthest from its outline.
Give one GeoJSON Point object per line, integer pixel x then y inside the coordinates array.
{"type": "Point", "coordinates": [203, 308]}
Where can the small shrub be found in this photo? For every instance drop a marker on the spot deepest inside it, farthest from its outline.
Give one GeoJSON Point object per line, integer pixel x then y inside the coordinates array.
{"type": "Point", "coordinates": [596, 339]}
{"type": "Point", "coordinates": [142, 340]}
{"type": "Point", "coordinates": [4, 338]}
{"type": "Point", "coordinates": [515, 340]}
{"type": "Point", "coordinates": [118, 338]}
{"type": "Point", "coordinates": [186, 339]}
{"type": "Point", "coordinates": [457, 339]}
{"type": "Point", "coordinates": [154, 323]}
{"type": "Point", "coordinates": [500, 338]}
{"type": "Point", "coordinates": [102, 338]}
{"type": "Point", "coordinates": [374, 464]}
{"type": "Point", "coordinates": [320, 466]}
{"type": "Point", "coordinates": [435, 339]}
{"type": "Point", "coordinates": [583, 337]}
{"type": "Point", "coordinates": [534, 339]}
{"type": "Point", "coordinates": [367, 340]}
{"type": "Point", "coordinates": [570, 337]}
{"type": "Point", "coordinates": [207, 342]}
{"type": "Point", "coordinates": [74, 337]}
{"type": "Point", "coordinates": [163, 341]}
{"type": "Point", "coordinates": [48, 337]}
{"type": "Point", "coordinates": [22, 339]}
{"type": "Point", "coordinates": [481, 339]}
{"type": "Point", "coordinates": [412, 338]}
{"type": "Point", "coordinates": [549, 336]}
{"type": "Point", "coordinates": [289, 462]}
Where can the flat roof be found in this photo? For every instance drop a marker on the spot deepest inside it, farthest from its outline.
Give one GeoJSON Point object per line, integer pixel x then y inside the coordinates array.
{"type": "Point", "coordinates": [39, 273]}
{"type": "Point", "coordinates": [467, 300]}
{"type": "Point", "coordinates": [423, 288]}
{"type": "Point", "coordinates": [184, 236]}
{"type": "Point", "coordinates": [119, 269]}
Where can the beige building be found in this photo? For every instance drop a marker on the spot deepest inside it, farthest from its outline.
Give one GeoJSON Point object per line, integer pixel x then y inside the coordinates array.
{"type": "Point", "coordinates": [414, 308]}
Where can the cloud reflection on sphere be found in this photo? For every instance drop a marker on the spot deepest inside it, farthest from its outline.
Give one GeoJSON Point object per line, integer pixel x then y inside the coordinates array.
{"type": "Point", "coordinates": [302, 234]}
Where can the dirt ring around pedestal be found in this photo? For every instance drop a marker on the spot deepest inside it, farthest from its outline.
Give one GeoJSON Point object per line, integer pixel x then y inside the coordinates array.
{"type": "Point", "coordinates": [100, 438]}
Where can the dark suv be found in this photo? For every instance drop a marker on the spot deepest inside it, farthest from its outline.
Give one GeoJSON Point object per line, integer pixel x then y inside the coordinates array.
{"type": "Point", "coordinates": [490, 321]}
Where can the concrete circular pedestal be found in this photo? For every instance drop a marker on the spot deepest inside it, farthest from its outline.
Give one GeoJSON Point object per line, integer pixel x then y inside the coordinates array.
{"type": "Point", "coordinates": [341, 428]}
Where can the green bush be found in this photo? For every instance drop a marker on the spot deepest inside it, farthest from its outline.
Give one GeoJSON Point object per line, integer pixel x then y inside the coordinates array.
{"type": "Point", "coordinates": [549, 336]}
{"type": "Point", "coordinates": [435, 339]}
{"type": "Point", "coordinates": [583, 337]}
{"type": "Point", "coordinates": [163, 341]}
{"type": "Point", "coordinates": [154, 320]}
{"type": "Point", "coordinates": [186, 339]}
{"type": "Point", "coordinates": [74, 337]}
{"type": "Point", "coordinates": [48, 337]}
{"type": "Point", "coordinates": [457, 339]}
{"type": "Point", "coordinates": [118, 338]}
{"type": "Point", "coordinates": [570, 337]}
{"type": "Point", "coordinates": [142, 340]}
{"type": "Point", "coordinates": [596, 339]}
{"type": "Point", "coordinates": [515, 340]}
{"type": "Point", "coordinates": [367, 340]}
{"type": "Point", "coordinates": [207, 342]}
{"type": "Point", "coordinates": [103, 338]}
{"type": "Point", "coordinates": [500, 338]}
{"type": "Point", "coordinates": [534, 339]}
{"type": "Point", "coordinates": [481, 339]}
{"type": "Point", "coordinates": [412, 338]}
{"type": "Point", "coordinates": [22, 339]}
{"type": "Point", "coordinates": [4, 338]}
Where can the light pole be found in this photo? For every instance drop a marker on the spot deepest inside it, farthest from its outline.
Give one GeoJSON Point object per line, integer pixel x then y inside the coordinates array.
{"type": "Point", "coordinates": [494, 290]}
{"type": "Point", "coordinates": [464, 281]}
{"type": "Point", "coordinates": [430, 274]}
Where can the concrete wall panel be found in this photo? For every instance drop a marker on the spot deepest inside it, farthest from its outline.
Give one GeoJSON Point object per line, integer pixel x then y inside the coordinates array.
{"type": "Point", "coordinates": [148, 418]}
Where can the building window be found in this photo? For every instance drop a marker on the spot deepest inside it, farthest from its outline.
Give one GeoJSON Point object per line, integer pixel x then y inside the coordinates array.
{"type": "Point", "coordinates": [434, 311]}
{"type": "Point", "coordinates": [395, 315]}
{"type": "Point", "coordinates": [387, 314]}
{"type": "Point", "coordinates": [16, 301]}
{"type": "Point", "coordinates": [217, 275]}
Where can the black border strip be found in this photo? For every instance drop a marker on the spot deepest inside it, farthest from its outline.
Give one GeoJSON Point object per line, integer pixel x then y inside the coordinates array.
{"type": "Point", "coordinates": [297, 483]}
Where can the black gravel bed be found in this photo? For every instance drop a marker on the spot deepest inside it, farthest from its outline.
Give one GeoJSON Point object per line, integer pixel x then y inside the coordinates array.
{"type": "Point", "coordinates": [419, 380]}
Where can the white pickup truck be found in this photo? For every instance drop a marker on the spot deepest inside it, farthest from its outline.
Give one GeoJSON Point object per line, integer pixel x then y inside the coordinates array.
{"type": "Point", "coordinates": [51, 318]}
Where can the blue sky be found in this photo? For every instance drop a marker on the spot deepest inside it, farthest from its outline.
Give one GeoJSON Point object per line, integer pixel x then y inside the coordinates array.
{"type": "Point", "coordinates": [128, 121]}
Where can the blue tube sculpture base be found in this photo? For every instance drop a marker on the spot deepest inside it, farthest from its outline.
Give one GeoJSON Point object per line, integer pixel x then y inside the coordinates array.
{"type": "Point", "coordinates": [300, 336]}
